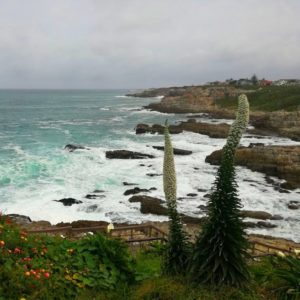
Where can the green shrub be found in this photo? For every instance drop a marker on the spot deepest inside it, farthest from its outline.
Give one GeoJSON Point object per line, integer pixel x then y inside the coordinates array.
{"type": "Point", "coordinates": [45, 267]}
{"type": "Point", "coordinates": [286, 274]}
{"type": "Point", "coordinates": [220, 249]}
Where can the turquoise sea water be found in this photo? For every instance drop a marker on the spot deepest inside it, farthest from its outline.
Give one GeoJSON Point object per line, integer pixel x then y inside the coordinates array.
{"type": "Point", "coordinates": [35, 125]}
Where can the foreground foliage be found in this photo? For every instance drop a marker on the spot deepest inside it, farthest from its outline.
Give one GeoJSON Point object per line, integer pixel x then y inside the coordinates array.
{"type": "Point", "coordinates": [43, 267]}
{"type": "Point", "coordinates": [39, 267]}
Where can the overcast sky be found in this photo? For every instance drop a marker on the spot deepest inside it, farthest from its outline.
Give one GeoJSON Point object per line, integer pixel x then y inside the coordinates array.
{"type": "Point", "coordinates": [145, 43]}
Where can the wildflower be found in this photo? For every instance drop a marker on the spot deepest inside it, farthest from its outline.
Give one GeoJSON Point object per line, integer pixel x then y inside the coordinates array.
{"type": "Point", "coordinates": [27, 273]}
{"type": "Point", "coordinates": [47, 274]}
{"type": "Point", "coordinates": [2, 243]}
{"type": "Point", "coordinates": [33, 272]}
{"type": "Point", "coordinates": [280, 254]}
{"type": "Point", "coordinates": [17, 251]}
{"type": "Point", "coordinates": [297, 251]}
{"type": "Point", "coordinates": [110, 227]}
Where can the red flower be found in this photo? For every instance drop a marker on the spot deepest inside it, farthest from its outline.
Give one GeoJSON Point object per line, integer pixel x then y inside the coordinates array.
{"type": "Point", "coordinates": [17, 251]}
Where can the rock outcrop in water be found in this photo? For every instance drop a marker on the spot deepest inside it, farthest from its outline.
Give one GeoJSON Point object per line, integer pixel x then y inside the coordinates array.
{"type": "Point", "coordinates": [281, 122]}
{"type": "Point", "coordinates": [72, 147]}
{"type": "Point", "coordinates": [280, 161]}
{"type": "Point", "coordinates": [68, 201]}
{"type": "Point", "coordinates": [212, 130]}
{"type": "Point", "coordinates": [126, 154]}
{"type": "Point", "coordinates": [152, 205]}
{"type": "Point", "coordinates": [176, 151]}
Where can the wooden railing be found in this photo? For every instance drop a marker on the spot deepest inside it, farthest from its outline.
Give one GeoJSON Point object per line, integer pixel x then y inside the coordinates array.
{"type": "Point", "coordinates": [131, 234]}
{"type": "Point", "coordinates": [259, 248]}
{"type": "Point", "coordinates": [148, 233]}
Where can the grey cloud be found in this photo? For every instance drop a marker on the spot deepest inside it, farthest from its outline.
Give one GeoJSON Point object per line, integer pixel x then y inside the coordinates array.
{"type": "Point", "coordinates": [141, 43]}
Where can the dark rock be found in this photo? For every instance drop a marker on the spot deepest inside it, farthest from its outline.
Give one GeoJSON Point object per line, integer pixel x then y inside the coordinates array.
{"type": "Point", "coordinates": [72, 147]}
{"type": "Point", "coordinates": [276, 217]}
{"type": "Point", "coordinates": [135, 190]}
{"type": "Point", "coordinates": [202, 190]}
{"type": "Point", "coordinates": [68, 201]}
{"type": "Point", "coordinates": [260, 224]}
{"type": "Point", "coordinates": [192, 194]}
{"type": "Point", "coordinates": [125, 154]}
{"type": "Point", "coordinates": [262, 215]}
{"type": "Point", "coordinates": [280, 161]}
{"type": "Point", "coordinates": [263, 224]}
{"type": "Point", "coordinates": [294, 205]}
{"type": "Point", "coordinates": [212, 130]}
{"type": "Point", "coordinates": [203, 208]}
{"type": "Point", "coordinates": [127, 183]}
{"type": "Point", "coordinates": [98, 191]}
{"type": "Point", "coordinates": [176, 151]}
{"type": "Point", "coordinates": [249, 224]}
{"type": "Point", "coordinates": [280, 190]}
{"type": "Point", "coordinates": [156, 128]}
{"type": "Point", "coordinates": [150, 205]}
{"type": "Point", "coordinates": [195, 168]}
{"type": "Point", "coordinates": [19, 219]}
{"type": "Point", "coordinates": [91, 208]}
{"type": "Point", "coordinates": [93, 196]}
{"type": "Point", "coordinates": [192, 120]}
{"type": "Point", "coordinates": [251, 145]}
{"type": "Point", "coordinates": [207, 195]}
{"type": "Point", "coordinates": [153, 174]}
{"type": "Point", "coordinates": [82, 224]}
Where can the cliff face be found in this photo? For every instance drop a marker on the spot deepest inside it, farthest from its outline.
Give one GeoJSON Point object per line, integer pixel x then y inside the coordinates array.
{"type": "Point", "coordinates": [197, 99]}
{"type": "Point", "coordinates": [283, 123]}
{"type": "Point", "coordinates": [193, 99]}
{"type": "Point", "coordinates": [280, 161]}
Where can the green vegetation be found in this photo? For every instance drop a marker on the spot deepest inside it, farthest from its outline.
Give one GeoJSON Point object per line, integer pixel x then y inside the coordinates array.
{"type": "Point", "coordinates": [270, 98]}
{"type": "Point", "coordinates": [44, 267]}
{"type": "Point", "coordinates": [178, 247]}
{"type": "Point", "coordinates": [220, 249]}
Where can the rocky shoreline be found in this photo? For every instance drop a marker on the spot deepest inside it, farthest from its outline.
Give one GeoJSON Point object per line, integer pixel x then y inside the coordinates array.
{"type": "Point", "coordinates": [280, 161]}
{"type": "Point", "coordinates": [204, 99]}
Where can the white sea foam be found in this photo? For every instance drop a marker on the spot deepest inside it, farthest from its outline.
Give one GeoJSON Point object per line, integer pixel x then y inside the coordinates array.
{"type": "Point", "coordinates": [79, 173]}
{"type": "Point", "coordinates": [122, 96]}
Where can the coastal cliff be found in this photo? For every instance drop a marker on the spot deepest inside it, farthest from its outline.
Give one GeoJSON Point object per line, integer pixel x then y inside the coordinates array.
{"type": "Point", "coordinates": [273, 109]}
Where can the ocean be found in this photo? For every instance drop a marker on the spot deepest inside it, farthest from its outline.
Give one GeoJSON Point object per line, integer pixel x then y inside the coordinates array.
{"type": "Point", "coordinates": [35, 169]}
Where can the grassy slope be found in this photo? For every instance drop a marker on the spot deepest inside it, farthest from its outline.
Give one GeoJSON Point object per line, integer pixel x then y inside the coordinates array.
{"type": "Point", "coordinates": [269, 99]}
{"type": "Point", "coordinates": [154, 286]}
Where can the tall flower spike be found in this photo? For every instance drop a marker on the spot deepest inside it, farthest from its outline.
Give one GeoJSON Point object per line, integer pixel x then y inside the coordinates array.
{"type": "Point", "coordinates": [239, 125]}
{"type": "Point", "coordinates": [169, 173]}
{"type": "Point", "coordinates": [178, 247]}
